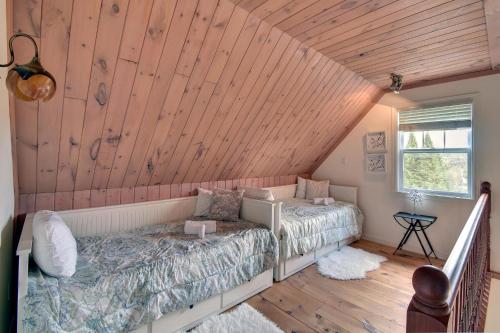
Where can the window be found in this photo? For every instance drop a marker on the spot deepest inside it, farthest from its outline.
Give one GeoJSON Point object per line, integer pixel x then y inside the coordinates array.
{"type": "Point", "coordinates": [435, 149]}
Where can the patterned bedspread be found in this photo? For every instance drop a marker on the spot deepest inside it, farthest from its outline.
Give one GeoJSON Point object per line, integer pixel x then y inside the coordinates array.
{"type": "Point", "coordinates": [125, 280]}
{"type": "Point", "coordinates": [306, 226]}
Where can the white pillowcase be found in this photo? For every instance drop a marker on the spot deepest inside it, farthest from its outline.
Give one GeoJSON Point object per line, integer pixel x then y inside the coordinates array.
{"type": "Point", "coordinates": [203, 202]}
{"type": "Point", "coordinates": [54, 247]}
{"type": "Point", "coordinates": [317, 189]}
{"type": "Point", "coordinates": [300, 193]}
{"type": "Point", "coordinates": [257, 193]}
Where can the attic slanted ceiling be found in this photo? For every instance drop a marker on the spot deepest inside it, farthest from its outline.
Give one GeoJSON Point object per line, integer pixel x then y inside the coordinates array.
{"type": "Point", "coordinates": [421, 39]}
{"type": "Point", "coordinates": [175, 91]}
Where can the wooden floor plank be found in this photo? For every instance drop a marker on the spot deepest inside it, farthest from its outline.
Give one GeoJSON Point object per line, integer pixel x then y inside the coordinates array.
{"type": "Point", "coordinates": [304, 308]}
{"type": "Point", "coordinates": [288, 323]}
{"type": "Point", "coordinates": [309, 302]}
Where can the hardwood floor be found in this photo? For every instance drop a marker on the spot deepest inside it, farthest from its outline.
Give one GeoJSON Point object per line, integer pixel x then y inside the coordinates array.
{"type": "Point", "coordinates": [309, 302]}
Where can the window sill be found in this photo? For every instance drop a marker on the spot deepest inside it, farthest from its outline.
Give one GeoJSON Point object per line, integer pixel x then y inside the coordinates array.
{"type": "Point", "coordinates": [441, 196]}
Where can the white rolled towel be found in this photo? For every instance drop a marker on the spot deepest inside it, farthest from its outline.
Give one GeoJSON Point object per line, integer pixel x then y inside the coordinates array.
{"type": "Point", "coordinates": [201, 233]}
{"type": "Point", "coordinates": [195, 227]}
{"type": "Point", "coordinates": [323, 201]}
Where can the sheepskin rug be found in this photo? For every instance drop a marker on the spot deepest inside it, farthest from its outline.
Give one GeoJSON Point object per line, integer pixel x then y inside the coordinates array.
{"type": "Point", "coordinates": [244, 319]}
{"type": "Point", "coordinates": [349, 264]}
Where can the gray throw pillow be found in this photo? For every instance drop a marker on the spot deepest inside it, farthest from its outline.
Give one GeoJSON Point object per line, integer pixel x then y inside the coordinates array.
{"type": "Point", "coordinates": [226, 205]}
{"type": "Point", "coordinates": [317, 189]}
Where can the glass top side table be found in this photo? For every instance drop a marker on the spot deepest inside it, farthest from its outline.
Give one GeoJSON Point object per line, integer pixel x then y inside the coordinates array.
{"type": "Point", "coordinates": [415, 223]}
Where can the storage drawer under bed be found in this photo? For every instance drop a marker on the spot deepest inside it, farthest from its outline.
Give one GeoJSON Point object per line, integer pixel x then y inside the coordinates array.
{"type": "Point", "coordinates": [187, 318]}
{"type": "Point", "coordinates": [177, 320]}
{"type": "Point", "coordinates": [297, 263]}
{"type": "Point", "coordinates": [258, 283]}
{"type": "Point", "coordinates": [294, 264]}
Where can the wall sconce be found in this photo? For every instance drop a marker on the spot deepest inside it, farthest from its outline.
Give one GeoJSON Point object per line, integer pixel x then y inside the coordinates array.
{"type": "Point", "coordinates": [29, 82]}
{"type": "Point", "coordinates": [397, 83]}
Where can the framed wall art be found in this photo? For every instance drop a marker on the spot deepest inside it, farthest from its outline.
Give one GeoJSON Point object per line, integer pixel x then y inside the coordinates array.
{"type": "Point", "coordinates": [376, 142]}
{"type": "Point", "coordinates": [376, 164]}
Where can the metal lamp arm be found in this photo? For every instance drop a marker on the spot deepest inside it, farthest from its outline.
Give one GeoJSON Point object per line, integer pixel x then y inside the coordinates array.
{"type": "Point", "coordinates": [11, 48]}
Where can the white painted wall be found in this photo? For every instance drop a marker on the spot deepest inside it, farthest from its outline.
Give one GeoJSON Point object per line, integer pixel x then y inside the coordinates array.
{"type": "Point", "coordinates": [492, 319]}
{"type": "Point", "coordinates": [378, 197]}
{"type": "Point", "coordinates": [6, 179]}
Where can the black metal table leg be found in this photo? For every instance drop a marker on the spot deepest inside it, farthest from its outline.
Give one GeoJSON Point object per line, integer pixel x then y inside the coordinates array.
{"type": "Point", "coordinates": [403, 240]}
{"type": "Point", "coordinates": [422, 245]}
{"type": "Point", "coordinates": [411, 229]}
{"type": "Point", "coordinates": [427, 239]}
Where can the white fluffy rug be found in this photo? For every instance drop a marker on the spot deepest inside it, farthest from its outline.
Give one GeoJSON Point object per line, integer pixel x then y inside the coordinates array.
{"type": "Point", "coordinates": [349, 264]}
{"type": "Point", "coordinates": [244, 319]}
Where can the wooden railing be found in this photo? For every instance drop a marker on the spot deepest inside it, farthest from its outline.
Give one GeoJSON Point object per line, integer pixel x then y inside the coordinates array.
{"type": "Point", "coordinates": [454, 299]}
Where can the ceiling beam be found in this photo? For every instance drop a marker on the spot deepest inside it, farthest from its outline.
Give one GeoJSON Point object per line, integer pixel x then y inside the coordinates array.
{"type": "Point", "coordinates": [452, 78]}
{"type": "Point", "coordinates": [492, 11]}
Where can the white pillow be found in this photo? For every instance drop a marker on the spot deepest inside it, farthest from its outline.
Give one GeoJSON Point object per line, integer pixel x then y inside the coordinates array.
{"type": "Point", "coordinates": [203, 202]}
{"type": "Point", "coordinates": [54, 247]}
{"type": "Point", "coordinates": [257, 193]}
{"type": "Point", "coordinates": [317, 189]}
{"type": "Point", "coordinates": [300, 193]}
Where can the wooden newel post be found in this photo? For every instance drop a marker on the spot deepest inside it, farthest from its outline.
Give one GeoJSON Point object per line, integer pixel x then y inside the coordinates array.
{"type": "Point", "coordinates": [486, 189]}
{"type": "Point", "coordinates": [429, 310]}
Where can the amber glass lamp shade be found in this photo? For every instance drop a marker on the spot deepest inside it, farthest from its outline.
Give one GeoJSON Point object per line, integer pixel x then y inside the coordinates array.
{"type": "Point", "coordinates": [29, 82]}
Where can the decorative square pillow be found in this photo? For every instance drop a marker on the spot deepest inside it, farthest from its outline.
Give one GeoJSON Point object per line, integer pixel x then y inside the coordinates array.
{"type": "Point", "coordinates": [226, 205]}
{"type": "Point", "coordinates": [317, 189]}
{"type": "Point", "coordinates": [203, 202]}
{"type": "Point", "coordinates": [300, 193]}
{"type": "Point", "coordinates": [257, 193]}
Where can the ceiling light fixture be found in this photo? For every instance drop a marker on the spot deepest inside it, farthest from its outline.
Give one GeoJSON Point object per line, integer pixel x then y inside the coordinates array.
{"type": "Point", "coordinates": [397, 83]}
{"type": "Point", "coordinates": [29, 82]}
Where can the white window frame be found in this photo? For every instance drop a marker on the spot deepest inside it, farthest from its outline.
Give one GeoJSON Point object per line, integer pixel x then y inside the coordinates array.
{"type": "Point", "coordinates": [470, 159]}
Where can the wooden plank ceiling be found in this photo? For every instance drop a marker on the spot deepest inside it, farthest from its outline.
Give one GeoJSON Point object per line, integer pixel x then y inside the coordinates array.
{"type": "Point", "coordinates": [420, 39]}
{"type": "Point", "coordinates": [185, 91]}
{"type": "Point", "coordinates": [178, 91]}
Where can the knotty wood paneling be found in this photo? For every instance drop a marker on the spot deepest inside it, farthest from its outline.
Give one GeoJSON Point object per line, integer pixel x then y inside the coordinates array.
{"type": "Point", "coordinates": [157, 96]}
{"type": "Point", "coordinates": [376, 37]}
{"type": "Point", "coordinates": [30, 203]}
{"type": "Point", "coordinates": [492, 10]}
{"type": "Point", "coordinates": [54, 40]}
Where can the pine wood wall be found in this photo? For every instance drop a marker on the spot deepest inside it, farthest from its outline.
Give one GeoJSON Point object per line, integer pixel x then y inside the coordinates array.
{"type": "Point", "coordinates": [161, 92]}
{"type": "Point", "coordinates": [30, 203]}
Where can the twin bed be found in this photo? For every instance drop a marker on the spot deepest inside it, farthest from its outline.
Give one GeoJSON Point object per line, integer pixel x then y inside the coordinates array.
{"type": "Point", "coordinates": [306, 232]}
{"type": "Point", "coordinates": [138, 271]}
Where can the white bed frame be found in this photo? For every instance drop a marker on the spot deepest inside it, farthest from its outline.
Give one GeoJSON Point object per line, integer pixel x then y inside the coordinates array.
{"type": "Point", "coordinates": [290, 266]}
{"type": "Point", "coordinates": [103, 220]}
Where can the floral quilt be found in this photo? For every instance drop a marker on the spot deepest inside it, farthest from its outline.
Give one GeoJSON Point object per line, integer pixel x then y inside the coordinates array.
{"type": "Point", "coordinates": [305, 226]}
{"type": "Point", "coordinates": [125, 280]}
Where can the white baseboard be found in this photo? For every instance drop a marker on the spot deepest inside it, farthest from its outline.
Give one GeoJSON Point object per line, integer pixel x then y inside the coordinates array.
{"type": "Point", "coordinates": [407, 247]}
